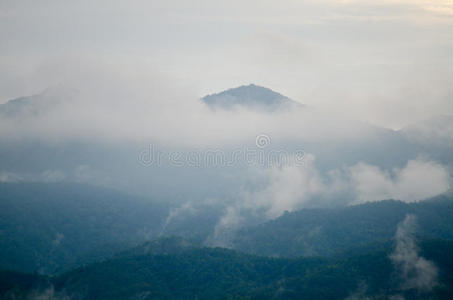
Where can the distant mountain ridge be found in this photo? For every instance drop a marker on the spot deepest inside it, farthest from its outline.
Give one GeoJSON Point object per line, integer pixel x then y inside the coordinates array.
{"type": "Point", "coordinates": [37, 104]}
{"type": "Point", "coordinates": [434, 130]}
{"type": "Point", "coordinates": [251, 97]}
{"type": "Point", "coordinates": [30, 105]}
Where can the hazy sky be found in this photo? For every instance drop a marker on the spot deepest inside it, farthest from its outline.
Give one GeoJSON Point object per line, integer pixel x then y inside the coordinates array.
{"type": "Point", "coordinates": [386, 62]}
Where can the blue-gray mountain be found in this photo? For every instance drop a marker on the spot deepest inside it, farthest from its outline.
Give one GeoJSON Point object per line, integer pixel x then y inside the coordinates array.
{"type": "Point", "coordinates": [114, 162]}
{"type": "Point", "coordinates": [252, 97]}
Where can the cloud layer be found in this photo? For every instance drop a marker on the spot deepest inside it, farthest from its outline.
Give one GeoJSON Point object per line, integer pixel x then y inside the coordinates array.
{"type": "Point", "coordinates": [365, 56]}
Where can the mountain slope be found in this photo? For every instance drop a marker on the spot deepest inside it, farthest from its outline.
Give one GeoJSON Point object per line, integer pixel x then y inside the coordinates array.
{"type": "Point", "coordinates": [51, 227]}
{"type": "Point", "coordinates": [251, 97]}
{"type": "Point", "coordinates": [437, 129]}
{"type": "Point", "coordinates": [44, 227]}
{"type": "Point", "coordinates": [323, 232]}
{"type": "Point", "coordinates": [35, 105]}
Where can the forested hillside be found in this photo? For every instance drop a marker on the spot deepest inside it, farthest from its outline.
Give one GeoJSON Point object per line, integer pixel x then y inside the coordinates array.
{"type": "Point", "coordinates": [215, 273]}
{"type": "Point", "coordinates": [46, 227]}
{"type": "Point", "coordinates": [321, 232]}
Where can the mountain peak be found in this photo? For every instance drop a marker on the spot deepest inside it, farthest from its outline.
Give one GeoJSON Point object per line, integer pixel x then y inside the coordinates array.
{"type": "Point", "coordinates": [249, 96]}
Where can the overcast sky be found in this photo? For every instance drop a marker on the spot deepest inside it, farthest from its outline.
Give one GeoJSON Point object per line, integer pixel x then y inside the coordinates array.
{"type": "Point", "coordinates": [386, 62]}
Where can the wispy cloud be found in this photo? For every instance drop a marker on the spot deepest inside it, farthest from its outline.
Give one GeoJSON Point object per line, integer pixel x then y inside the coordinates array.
{"type": "Point", "coordinates": [415, 271]}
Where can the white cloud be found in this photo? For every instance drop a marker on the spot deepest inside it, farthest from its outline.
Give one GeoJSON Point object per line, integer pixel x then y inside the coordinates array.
{"type": "Point", "coordinates": [415, 271]}
{"type": "Point", "coordinates": [418, 180]}
{"type": "Point", "coordinates": [288, 188]}
{"type": "Point", "coordinates": [291, 187]}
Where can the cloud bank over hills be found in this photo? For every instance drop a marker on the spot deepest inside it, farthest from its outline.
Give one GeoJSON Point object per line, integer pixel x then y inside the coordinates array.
{"type": "Point", "coordinates": [281, 129]}
{"type": "Point", "coordinates": [93, 129]}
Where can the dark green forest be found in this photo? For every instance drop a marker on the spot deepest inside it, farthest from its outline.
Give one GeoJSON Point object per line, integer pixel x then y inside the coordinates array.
{"type": "Point", "coordinates": [323, 232]}
{"type": "Point", "coordinates": [70, 241]}
{"type": "Point", "coordinates": [216, 273]}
